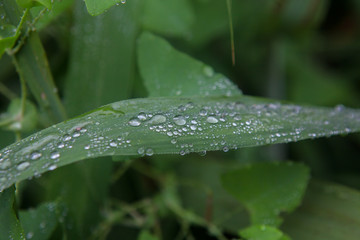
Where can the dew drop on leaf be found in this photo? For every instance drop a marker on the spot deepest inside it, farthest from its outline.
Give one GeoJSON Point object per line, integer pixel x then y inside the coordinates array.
{"type": "Point", "coordinates": [179, 120]}
{"type": "Point", "coordinates": [212, 119]}
{"type": "Point", "coordinates": [22, 166]}
{"type": "Point", "coordinates": [55, 155]}
{"type": "Point", "coordinates": [35, 155]}
{"type": "Point", "coordinates": [135, 122]}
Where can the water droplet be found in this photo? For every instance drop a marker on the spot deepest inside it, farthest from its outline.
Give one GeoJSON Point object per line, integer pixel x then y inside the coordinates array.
{"type": "Point", "coordinates": [212, 119]}
{"type": "Point", "coordinates": [22, 166]}
{"type": "Point", "coordinates": [193, 127]}
{"type": "Point", "coordinates": [208, 71]}
{"type": "Point", "coordinates": [55, 155]}
{"type": "Point", "coordinates": [173, 141]}
{"type": "Point", "coordinates": [202, 153]}
{"type": "Point", "coordinates": [61, 145]}
{"type": "Point", "coordinates": [225, 149]}
{"type": "Point", "coordinates": [203, 112]}
{"type": "Point", "coordinates": [339, 108]}
{"type": "Point", "coordinates": [52, 167]}
{"type": "Point", "coordinates": [29, 235]}
{"type": "Point", "coordinates": [113, 144]}
{"type": "Point", "coordinates": [135, 122]}
{"type": "Point", "coordinates": [157, 119]}
{"type": "Point", "coordinates": [182, 152]}
{"type": "Point", "coordinates": [141, 116]}
{"type": "Point", "coordinates": [67, 137]}
{"type": "Point", "coordinates": [76, 134]}
{"type": "Point", "coordinates": [5, 165]}
{"type": "Point", "coordinates": [170, 134]}
{"type": "Point", "coordinates": [179, 120]}
{"type": "Point", "coordinates": [123, 1]}
{"type": "Point", "coordinates": [237, 117]}
{"type": "Point", "coordinates": [149, 152]}
{"type": "Point", "coordinates": [141, 151]}
{"type": "Point", "coordinates": [87, 147]}
{"type": "Point", "coordinates": [35, 155]}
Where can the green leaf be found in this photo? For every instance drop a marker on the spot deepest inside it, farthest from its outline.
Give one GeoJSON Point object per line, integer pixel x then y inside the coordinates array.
{"type": "Point", "coordinates": [267, 189]}
{"type": "Point", "coordinates": [146, 235]}
{"type": "Point", "coordinates": [10, 227]}
{"type": "Point", "coordinates": [40, 223]}
{"type": "Point", "coordinates": [168, 72]}
{"type": "Point", "coordinates": [33, 3]}
{"type": "Point", "coordinates": [57, 8]}
{"type": "Point", "coordinates": [329, 212]}
{"type": "Point", "coordinates": [171, 125]}
{"type": "Point", "coordinates": [168, 17]}
{"type": "Point", "coordinates": [15, 120]}
{"type": "Point", "coordinates": [96, 7]}
{"type": "Point", "coordinates": [263, 232]}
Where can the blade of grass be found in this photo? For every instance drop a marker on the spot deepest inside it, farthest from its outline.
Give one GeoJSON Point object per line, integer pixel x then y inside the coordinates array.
{"type": "Point", "coordinates": [32, 66]}
{"type": "Point", "coordinates": [171, 125]}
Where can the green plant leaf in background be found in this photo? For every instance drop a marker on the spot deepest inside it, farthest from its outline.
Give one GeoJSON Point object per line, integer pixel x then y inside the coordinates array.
{"type": "Point", "coordinates": [97, 7]}
{"type": "Point", "coordinates": [33, 3]}
{"type": "Point", "coordinates": [171, 125]}
{"type": "Point", "coordinates": [41, 222]}
{"type": "Point", "coordinates": [267, 189]}
{"type": "Point", "coordinates": [146, 235]}
{"type": "Point", "coordinates": [329, 212]}
{"type": "Point", "coordinates": [168, 72]}
{"type": "Point", "coordinates": [168, 17]}
{"type": "Point", "coordinates": [16, 120]}
{"type": "Point", "coordinates": [263, 232]}
{"type": "Point", "coordinates": [10, 227]}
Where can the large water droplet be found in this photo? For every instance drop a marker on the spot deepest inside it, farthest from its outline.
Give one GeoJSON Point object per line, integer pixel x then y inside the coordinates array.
{"type": "Point", "coordinates": [141, 151]}
{"type": "Point", "coordinates": [135, 122]}
{"type": "Point", "coordinates": [35, 155]}
{"type": "Point", "coordinates": [212, 119]}
{"type": "Point", "coordinates": [203, 112]}
{"type": "Point", "coordinates": [22, 166]}
{"type": "Point", "coordinates": [157, 119]}
{"type": "Point", "coordinates": [179, 120]}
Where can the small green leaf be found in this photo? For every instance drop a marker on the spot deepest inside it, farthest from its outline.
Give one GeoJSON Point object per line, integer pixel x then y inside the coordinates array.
{"type": "Point", "coordinates": [169, 17]}
{"type": "Point", "coordinates": [57, 8]}
{"type": "Point", "coordinates": [97, 7]}
{"type": "Point", "coordinates": [267, 189]}
{"type": "Point", "coordinates": [173, 126]}
{"type": "Point", "coordinates": [8, 35]}
{"type": "Point", "coordinates": [146, 235]}
{"type": "Point", "coordinates": [10, 227]}
{"type": "Point", "coordinates": [15, 120]}
{"type": "Point", "coordinates": [40, 223]}
{"type": "Point", "coordinates": [33, 3]}
{"type": "Point", "coordinates": [263, 232]}
{"type": "Point", "coordinates": [168, 72]}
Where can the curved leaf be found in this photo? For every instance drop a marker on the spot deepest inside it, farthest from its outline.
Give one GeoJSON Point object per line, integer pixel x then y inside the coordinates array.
{"type": "Point", "coordinates": [170, 125]}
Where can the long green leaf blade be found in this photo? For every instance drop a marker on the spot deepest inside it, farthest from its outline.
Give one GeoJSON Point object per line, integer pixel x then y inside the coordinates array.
{"type": "Point", "coordinates": [168, 126]}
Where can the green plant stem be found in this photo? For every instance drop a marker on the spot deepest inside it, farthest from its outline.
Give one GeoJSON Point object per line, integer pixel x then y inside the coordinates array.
{"type": "Point", "coordinates": [7, 92]}
{"type": "Point", "coordinates": [32, 66]}
{"type": "Point", "coordinates": [228, 4]}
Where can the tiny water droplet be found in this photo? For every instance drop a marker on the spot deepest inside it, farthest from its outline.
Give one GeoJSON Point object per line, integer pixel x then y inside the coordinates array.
{"type": "Point", "coordinates": [135, 122]}
{"type": "Point", "coordinates": [35, 155]}
{"type": "Point", "coordinates": [123, 1]}
{"type": "Point", "coordinates": [212, 119]}
{"type": "Point", "coordinates": [61, 145]}
{"type": "Point", "coordinates": [113, 144]}
{"type": "Point", "coordinates": [202, 153]}
{"type": "Point", "coordinates": [76, 134]}
{"type": "Point", "coordinates": [225, 149]}
{"type": "Point", "coordinates": [141, 116]}
{"type": "Point", "coordinates": [208, 71]}
{"type": "Point", "coordinates": [55, 155]}
{"type": "Point", "coordinates": [182, 152]}
{"type": "Point", "coordinates": [87, 147]}
{"type": "Point", "coordinates": [203, 112]}
{"type": "Point", "coordinates": [67, 137]}
{"type": "Point", "coordinates": [22, 166]}
{"type": "Point", "coordinates": [173, 141]}
{"type": "Point", "coordinates": [52, 167]}
{"type": "Point", "coordinates": [29, 235]}
{"type": "Point", "coordinates": [141, 151]}
{"type": "Point", "coordinates": [179, 120]}
{"type": "Point", "coordinates": [149, 152]}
